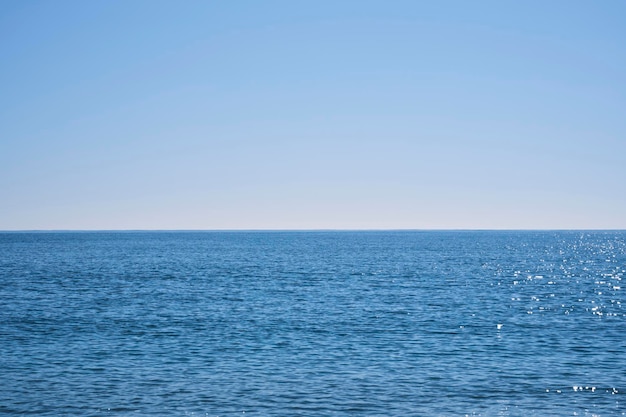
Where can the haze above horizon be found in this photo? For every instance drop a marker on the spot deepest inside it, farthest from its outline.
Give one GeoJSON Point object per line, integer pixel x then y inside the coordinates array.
{"type": "Point", "coordinates": [281, 115]}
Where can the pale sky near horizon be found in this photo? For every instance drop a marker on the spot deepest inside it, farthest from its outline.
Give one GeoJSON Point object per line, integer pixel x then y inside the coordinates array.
{"type": "Point", "coordinates": [312, 114]}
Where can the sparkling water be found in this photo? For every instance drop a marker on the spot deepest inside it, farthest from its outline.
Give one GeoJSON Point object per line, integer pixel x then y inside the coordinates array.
{"type": "Point", "coordinates": [416, 323]}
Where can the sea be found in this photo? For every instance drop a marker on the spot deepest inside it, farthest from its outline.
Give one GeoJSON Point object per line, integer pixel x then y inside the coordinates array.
{"type": "Point", "coordinates": [313, 323]}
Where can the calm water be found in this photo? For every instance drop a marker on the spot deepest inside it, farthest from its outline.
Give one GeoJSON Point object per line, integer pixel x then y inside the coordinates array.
{"type": "Point", "coordinates": [313, 323]}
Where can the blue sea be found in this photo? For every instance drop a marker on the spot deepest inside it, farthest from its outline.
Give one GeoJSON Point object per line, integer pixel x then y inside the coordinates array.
{"type": "Point", "coordinates": [407, 323]}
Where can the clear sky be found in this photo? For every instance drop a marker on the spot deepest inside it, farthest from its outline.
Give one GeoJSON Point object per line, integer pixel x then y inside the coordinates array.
{"type": "Point", "coordinates": [312, 114]}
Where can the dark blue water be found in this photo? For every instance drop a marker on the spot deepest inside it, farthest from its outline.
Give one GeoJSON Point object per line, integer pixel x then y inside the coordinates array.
{"type": "Point", "coordinates": [313, 323]}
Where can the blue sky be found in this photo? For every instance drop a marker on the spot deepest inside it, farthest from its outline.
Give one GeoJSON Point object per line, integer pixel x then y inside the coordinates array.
{"type": "Point", "coordinates": [312, 114]}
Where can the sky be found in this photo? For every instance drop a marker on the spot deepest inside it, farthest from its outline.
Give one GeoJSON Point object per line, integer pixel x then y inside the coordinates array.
{"type": "Point", "coordinates": [350, 114]}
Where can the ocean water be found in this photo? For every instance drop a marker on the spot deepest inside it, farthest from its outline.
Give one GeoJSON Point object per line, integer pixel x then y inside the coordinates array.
{"type": "Point", "coordinates": [431, 323]}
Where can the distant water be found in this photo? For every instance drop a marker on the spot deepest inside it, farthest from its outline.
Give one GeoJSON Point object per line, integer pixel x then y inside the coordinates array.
{"type": "Point", "coordinates": [313, 323]}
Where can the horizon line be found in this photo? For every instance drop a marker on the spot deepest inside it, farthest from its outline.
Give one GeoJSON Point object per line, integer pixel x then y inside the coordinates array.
{"type": "Point", "coordinates": [324, 230]}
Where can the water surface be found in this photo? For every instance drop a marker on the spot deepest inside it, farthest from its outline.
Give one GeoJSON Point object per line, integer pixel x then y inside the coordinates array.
{"type": "Point", "coordinates": [313, 323]}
